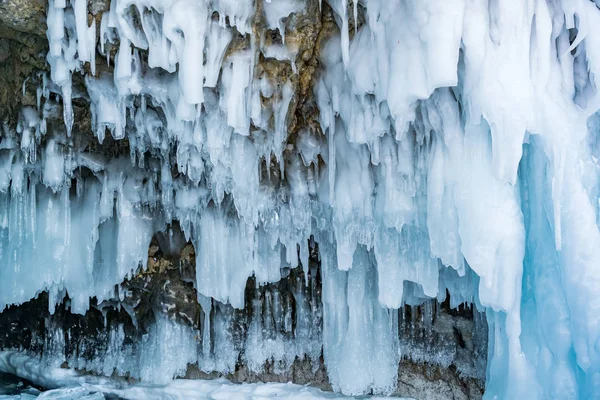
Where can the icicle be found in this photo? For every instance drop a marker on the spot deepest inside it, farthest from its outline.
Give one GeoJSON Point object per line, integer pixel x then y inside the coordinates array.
{"type": "Point", "coordinates": [345, 33]}
{"type": "Point", "coordinates": [91, 38]}
{"type": "Point", "coordinates": [83, 49]}
{"type": "Point", "coordinates": [67, 106]}
{"type": "Point", "coordinates": [206, 304]}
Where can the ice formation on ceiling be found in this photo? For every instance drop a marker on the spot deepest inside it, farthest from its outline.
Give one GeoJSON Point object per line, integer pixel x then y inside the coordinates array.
{"type": "Point", "coordinates": [455, 137]}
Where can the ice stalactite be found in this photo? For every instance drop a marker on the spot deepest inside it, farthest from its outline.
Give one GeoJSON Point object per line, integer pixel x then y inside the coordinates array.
{"type": "Point", "coordinates": [453, 149]}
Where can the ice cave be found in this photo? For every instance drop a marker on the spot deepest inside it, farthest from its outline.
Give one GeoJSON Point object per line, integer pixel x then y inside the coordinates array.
{"type": "Point", "coordinates": [299, 199]}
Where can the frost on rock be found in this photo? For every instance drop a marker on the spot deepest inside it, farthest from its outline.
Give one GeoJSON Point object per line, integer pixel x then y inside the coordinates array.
{"type": "Point", "coordinates": [429, 148]}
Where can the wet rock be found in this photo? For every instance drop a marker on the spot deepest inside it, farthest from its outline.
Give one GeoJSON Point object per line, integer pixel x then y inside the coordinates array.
{"type": "Point", "coordinates": [96, 7]}
{"type": "Point", "coordinates": [4, 49]}
{"type": "Point", "coordinates": [28, 16]}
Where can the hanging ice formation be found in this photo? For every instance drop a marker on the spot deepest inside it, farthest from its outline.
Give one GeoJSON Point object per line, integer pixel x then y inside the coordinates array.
{"type": "Point", "coordinates": [456, 150]}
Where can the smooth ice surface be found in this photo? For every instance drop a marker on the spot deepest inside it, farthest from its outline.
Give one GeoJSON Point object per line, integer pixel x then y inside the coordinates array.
{"type": "Point", "coordinates": [70, 385]}
{"type": "Point", "coordinates": [456, 150]}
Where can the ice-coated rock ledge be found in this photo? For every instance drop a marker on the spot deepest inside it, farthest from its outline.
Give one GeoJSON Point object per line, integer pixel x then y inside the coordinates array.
{"type": "Point", "coordinates": [69, 385]}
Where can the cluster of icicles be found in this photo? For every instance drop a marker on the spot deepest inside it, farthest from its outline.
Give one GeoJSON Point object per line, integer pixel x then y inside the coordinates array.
{"type": "Point", "coordinates": [457, 152]}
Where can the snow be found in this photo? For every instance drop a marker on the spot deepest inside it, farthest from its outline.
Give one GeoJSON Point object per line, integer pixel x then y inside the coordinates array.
{"type": "Point", "coordinates": [456, 149]}
{"type": "Point", "coordinates": [66, 384]}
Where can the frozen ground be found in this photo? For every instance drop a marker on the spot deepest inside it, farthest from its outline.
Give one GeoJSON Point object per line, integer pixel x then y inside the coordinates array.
{"type": "Point", "coordinates": [66, 384]}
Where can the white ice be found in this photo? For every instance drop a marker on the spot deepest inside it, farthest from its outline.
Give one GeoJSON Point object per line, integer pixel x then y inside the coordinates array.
{"type": "Point", "coordinates": [65, 384]}
{"type": "Point", "coordinates": [456, 148]}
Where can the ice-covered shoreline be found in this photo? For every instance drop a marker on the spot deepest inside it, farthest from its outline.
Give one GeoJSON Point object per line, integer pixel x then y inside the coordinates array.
{"type": "Point", "coordinates": [68, 382]}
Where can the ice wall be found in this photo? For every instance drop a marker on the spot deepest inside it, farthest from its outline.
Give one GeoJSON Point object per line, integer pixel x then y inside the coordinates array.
{"type": "Point", "coordinates": [452, 135]}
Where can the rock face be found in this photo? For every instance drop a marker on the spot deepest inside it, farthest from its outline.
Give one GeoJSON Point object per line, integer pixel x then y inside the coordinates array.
{"type": "Point", "coordinates": [23, 48]}
{"type": "Point", "coordinates": [24, 16]}
{"type": "Point", "coordinates": [276, 336]}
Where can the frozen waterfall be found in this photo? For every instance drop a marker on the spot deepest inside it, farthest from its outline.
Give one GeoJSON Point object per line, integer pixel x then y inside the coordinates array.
{"type": "Point", "coordinates": [435, 147]}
